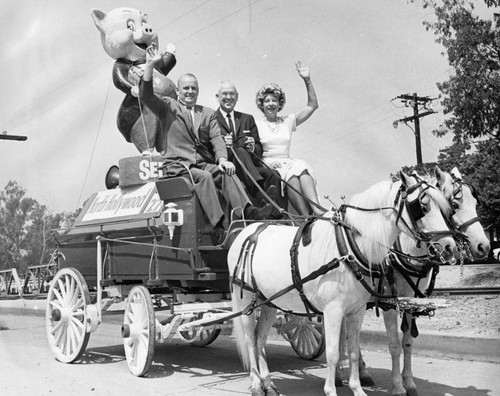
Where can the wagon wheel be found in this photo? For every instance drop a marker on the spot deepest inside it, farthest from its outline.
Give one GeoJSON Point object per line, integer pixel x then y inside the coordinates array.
{"type": "Point", "coordinates": [307, 337]}
{"type": "Point", "coordinates": [199, 336]}
{"type": "Point", "coordinates": [138, 331]}
{"type": "Point", "coordinates": [66, 315]}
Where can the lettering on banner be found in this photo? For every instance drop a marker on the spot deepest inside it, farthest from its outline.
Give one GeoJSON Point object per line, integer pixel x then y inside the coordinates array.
{"type": "Point", "coordinates": [155, 204]}
{"type": "Point", "coordinates": [117, 202]}
{"type": "Point", "coordinates": [150, 169]}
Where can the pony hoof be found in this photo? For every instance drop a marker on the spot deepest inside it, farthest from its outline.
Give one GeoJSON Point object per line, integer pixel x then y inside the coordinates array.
{"type": "Point", "coordinates": [366, 380]}
{"type": "Point", "coordinates": [257, 392]}
{"type": "Point", "coordinates": [272, 392]}
{"type": "Point", "coordinates": [411, 392]}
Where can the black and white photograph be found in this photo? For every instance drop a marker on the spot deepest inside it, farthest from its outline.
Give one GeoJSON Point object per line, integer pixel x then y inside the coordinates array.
{"type": "Point", "coordinates": [250, 197]}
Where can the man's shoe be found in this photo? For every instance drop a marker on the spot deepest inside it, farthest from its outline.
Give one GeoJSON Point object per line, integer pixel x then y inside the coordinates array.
{"type": "Point", "coordinates": [253, 213]}
{"type": "Point", "coordinates": [219, 234]}
{"type": "Point", "coordinates": [272, 192]}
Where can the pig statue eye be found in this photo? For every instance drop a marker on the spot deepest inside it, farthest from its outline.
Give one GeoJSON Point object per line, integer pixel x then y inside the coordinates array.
{"type": "Point", "coordinates": [130, 26]}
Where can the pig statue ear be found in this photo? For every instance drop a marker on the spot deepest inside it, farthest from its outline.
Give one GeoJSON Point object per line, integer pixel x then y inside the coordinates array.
{"type": "Point", "coordinates": [98, 16]}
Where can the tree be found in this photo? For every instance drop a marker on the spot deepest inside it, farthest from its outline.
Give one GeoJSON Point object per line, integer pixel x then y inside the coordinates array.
{"type": "Point", "coordinates": [472, 94]}
{"type": "Point", "coordinates": [25, 229]}
{"type": "Point", "coordinates": [15, 213]}
{"type": "Point", "coordinates": [478, 167]}
{"type": "Point", "coordinates": [481, 168]}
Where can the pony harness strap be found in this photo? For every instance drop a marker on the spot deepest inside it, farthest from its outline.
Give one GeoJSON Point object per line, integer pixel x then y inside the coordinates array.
{"type": "Point", "coordinates": [245, 264]}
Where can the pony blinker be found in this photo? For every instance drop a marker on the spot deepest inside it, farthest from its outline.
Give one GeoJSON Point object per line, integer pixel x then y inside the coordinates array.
{"type": "Point", "coordinates": [415, 209]}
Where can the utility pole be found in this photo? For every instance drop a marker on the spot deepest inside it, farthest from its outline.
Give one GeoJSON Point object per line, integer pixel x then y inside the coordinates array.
{"type": "Point", "coordinates": [415, 101]}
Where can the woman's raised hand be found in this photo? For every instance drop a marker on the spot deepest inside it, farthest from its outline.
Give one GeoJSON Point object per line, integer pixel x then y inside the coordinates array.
{"type": "Point", "coordinates": [303, 70]}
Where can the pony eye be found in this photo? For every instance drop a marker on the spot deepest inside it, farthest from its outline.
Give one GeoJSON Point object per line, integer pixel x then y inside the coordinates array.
{"type": "Point", "coordinates": [130, 26]}
{"type": "Point", "coordinates": [455, 205]}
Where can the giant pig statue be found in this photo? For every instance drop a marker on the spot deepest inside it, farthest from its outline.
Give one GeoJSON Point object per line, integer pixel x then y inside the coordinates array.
{"type": "Point", "coordinates": [125, 35]}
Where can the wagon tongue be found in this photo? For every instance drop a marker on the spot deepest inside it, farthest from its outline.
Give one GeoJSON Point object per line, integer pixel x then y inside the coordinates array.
{"type": "Point", "coordinates": [208, 320]}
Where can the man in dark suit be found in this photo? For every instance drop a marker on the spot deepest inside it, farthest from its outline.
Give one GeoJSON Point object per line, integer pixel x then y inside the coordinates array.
{"type": "Point", "coordinates": [192, 140]}
{"type": "Point", "coordinates": [240, 132]}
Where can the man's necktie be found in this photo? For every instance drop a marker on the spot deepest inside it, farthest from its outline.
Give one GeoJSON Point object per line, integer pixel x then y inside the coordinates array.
{"type": "Point", "coordinates": [191, 114]}
{"type": "Point", "coordinates": [230, 123]}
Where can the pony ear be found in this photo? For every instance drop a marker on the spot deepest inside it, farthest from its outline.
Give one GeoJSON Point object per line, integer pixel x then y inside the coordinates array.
{"type": "Point", "coordinates": [404, 178]}
{"type": "Point", "coordinates": [440, 175]}
{"type": "Point", "coordinates": [455, 172]}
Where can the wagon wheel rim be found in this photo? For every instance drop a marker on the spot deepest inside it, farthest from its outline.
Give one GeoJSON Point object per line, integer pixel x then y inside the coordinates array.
{"type": "Point", "coordinates": [307, 337]}
{"type": "Point", "coordinates": [199, 336]}
{"type": "Point", "coordinates": [138, 331]}
{"type": "Point", "coordinates": [66, 315]}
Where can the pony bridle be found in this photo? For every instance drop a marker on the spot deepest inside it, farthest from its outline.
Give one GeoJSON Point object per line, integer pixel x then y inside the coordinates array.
{"type": "Point", "coordinates": [415, 209]}
{"type": "Point", "coordinates": [458, 194]}
{"type": "Point", "coordinates": [460, 236]}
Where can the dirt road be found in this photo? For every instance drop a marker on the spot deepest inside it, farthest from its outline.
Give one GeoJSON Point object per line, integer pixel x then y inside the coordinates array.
{"type": "Point", "coordinates": [28, 368]}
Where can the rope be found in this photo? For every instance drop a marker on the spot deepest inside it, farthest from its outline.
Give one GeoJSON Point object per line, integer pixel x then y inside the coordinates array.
{"type": "Point", "coordinates": [144, 126]}
{"type": "Point", "coordinates": [95, 143]}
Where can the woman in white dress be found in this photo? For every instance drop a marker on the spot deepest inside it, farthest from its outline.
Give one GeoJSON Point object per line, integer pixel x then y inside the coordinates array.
{"type": "Point", "coordinates": [275, 134]}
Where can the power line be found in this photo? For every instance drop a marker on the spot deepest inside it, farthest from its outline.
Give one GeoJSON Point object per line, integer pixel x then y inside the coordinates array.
{"type": "Point", "coordinates": [217, 21]}
{"type": "Point", "coordinates": [39, 99]}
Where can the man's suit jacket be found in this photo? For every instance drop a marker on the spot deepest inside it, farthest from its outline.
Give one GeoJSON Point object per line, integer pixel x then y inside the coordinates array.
{"type": "Point", "coordinates": [243, 122]}
{"type": "Point", "coordinates": [177, 131]}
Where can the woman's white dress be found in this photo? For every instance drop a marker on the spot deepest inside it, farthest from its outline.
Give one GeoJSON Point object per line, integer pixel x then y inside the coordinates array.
{"type": "Point", "coordinates": [276, 139]}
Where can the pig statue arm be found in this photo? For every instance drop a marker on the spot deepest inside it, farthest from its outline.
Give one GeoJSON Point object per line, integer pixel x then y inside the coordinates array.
{"type": "Point", "coordinates": [168, 60]}
{"type": "Point", "coordinates": [121, 76]}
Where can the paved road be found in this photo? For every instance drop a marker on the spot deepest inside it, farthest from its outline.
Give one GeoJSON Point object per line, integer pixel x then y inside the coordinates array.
{"type": "Point", "coordinates": [27, 367]}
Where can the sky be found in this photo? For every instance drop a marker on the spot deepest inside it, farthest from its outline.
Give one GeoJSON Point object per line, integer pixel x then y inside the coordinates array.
{"type": "Point", "coordinates": [57, 88]}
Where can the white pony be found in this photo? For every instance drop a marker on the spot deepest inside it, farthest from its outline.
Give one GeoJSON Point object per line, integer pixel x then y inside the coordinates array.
{"type": "Point", "coordinates": [265, 260]}
{"type": "Point", "coordinates": [414, 279]}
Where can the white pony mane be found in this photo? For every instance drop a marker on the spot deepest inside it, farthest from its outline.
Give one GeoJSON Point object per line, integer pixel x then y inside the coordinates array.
{"type": "Point", "coordinates": [373, 225]}
{"type": "Point", "coordinates": [438, 196]}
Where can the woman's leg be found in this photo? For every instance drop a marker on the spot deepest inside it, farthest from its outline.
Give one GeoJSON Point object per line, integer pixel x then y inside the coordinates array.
{"type": "Point", "coordinates": [295, 197]}
{"type": "Point", "coordinates": [308, 187]}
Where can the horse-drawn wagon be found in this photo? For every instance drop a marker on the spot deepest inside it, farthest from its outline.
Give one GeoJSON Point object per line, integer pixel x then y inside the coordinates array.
{"type": "Point", "coordinates": [148, 245]}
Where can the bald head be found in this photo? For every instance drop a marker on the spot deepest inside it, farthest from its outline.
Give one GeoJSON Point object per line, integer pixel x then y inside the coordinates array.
{"type": "Point", "coordinates": [227, 96]}
{"type": "Point", "coordinates": [187, 89]}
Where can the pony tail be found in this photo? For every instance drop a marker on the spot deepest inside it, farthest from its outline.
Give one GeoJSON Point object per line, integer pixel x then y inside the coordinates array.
{"type": "Point", "coordinates": [239, 335]}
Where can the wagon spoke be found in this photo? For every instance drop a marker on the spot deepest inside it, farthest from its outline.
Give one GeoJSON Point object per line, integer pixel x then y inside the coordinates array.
{"type": "Point", "coordinates": [78, 304]}
{"type": "Point", "coordinates": [58, 296]}
{"type": "Point", "coordinates": [70, 291]}
{"type": "Point", "coordinates": [55, 304]}
{"type": "Point", "coordinates": [60, 335]}
{"type": "Point", "coordinates": [57, 327]}
{"type": "Point", "coordinates": [308, 342]}
{"type": "Point", "coordinates": [133, 353]}
{"type": "Point", "coordinates": [73, 331]}
{"type": "Point", "coordinates": [67, 349]}
{"type": "Point", "coordinates": [133, 309]}
{"type": "Point", "coordinates": [129, 317]}
{"type": "Point", "coordinates": [77, 323]}
{"type": "Point", "coordinates": [61, 289]}
{"type": "Point", "coordinates": [74, 295]}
